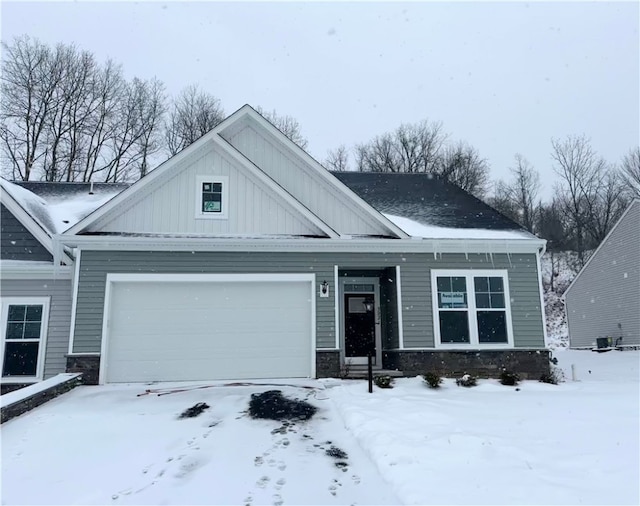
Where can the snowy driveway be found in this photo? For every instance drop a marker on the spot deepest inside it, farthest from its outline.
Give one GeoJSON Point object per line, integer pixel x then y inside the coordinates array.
{"type": "Point", "coordinates": [107, 445]}
{"type": "Point", "coordinates": [573, 443]}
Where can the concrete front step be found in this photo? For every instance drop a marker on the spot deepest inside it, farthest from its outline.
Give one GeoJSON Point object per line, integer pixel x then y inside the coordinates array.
{"type": "Point", "coordinates": [363, 373]}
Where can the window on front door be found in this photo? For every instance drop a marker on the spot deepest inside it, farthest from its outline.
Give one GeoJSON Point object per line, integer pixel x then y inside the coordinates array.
{"type": "Point", "coordinates": [471, 308]}
{"type": "Point", "coordinates": [23, 325]}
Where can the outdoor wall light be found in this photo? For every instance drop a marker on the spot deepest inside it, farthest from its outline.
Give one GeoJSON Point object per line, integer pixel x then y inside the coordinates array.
{"type": "Point", "coordinates": [368, 304]}
{"type": "Point", "coordinates": [324, 289]}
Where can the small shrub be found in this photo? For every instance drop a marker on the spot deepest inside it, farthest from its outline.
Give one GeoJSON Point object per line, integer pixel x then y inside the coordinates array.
{"type": "Point", "coordinates": [383, 381]}
{"type": "Point", "coordinates": [467, 381]}
{"type": "Point", "coordinates": [432, 379]}
{"type": "Point", "coordinates": [509, 378]}
{"type": "Point", "coordinates": [555, 375]}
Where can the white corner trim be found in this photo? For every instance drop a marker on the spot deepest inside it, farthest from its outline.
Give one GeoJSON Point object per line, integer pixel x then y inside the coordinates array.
{"type": "Point", "coordinates": [74, 299]}
{"type": "Point", "coordinates": [399, 303]}
{"type": "Point", "coordinates": [314, 324]}
{"type": "Point", "coordinates": [336, 307]}
{"type": "Point", "coordinates": [45, 302]}
{"type": "Point", "coordinates": [541, 294]}
{"type": "Point", "coordinates": [224, 213]}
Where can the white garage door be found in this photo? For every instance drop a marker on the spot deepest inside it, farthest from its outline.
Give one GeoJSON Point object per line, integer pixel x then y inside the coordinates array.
{"type": "Point", "coordinates": [206, 330]}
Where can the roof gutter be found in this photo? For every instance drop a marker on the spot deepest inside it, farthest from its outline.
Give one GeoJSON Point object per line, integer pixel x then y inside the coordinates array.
{"type": "Point", "coordinates": [364, 245]}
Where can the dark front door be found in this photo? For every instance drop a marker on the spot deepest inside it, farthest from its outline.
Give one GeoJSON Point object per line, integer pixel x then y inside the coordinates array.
{"type": "Point", "coordinates": [359, 327]}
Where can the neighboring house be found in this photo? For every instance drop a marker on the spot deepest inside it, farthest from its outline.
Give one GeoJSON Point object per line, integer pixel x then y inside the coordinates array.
{"type": "Point", "coordinates": [604, 298]}
{"type": "Point", "coordinates": [35, 295]}
{"type": "Point", "coordinates": [242, 257]}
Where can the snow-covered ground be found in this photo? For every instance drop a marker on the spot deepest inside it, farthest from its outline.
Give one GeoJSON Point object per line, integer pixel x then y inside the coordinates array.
{"type": "Point", "coordinates": [574, 443]}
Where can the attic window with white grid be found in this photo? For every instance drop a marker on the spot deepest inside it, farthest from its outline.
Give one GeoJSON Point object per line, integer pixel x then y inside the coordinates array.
{"type": "Point", "coordinates": [211, 197]}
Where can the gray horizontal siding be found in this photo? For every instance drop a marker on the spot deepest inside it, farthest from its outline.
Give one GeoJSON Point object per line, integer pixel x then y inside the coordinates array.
{"type": "Point", "coordinates": [17, 243]}
{"type": "Point", "coordinates": [59, 291]}
{"type": "Point", "coordinates": [607, 291]}
{"type": "Point", "coordinates": [415, 282]}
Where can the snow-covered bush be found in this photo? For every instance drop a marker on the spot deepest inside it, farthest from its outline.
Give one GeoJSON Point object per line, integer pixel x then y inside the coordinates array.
{"type": "Point", "coordinates": [432, 379]}
{"type": "Point", "coordinates": [509, 378]}
{"type": "Point", "coordinates": [383, 381]}
{"type": "Point", "coordinates": [466, 381]}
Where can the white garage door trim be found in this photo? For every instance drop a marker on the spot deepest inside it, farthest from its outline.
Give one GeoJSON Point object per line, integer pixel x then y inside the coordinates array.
{"type": "Point", "coordinates": [203, 278]}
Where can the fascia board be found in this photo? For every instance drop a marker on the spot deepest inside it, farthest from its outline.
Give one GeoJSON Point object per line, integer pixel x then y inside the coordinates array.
{"type": "Point", "coordinates": [35, 271]}
{"type": "Point", "coordinates": [177, 243]}
{"type": "Point", "coordinates": [324, 173]}
{"type": "Point", "coordinates": [274, 186]}
{"type": "Point", "coordinates": [634, 202]}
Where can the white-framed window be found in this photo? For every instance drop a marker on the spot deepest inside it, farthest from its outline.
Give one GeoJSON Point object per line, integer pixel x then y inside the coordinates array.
{"type": "Point", "coordinates": [24, 330]}
{"type": "Point", "coordinates": [471, 309]}
{"type": "Point", "coordinates": [212, 201]}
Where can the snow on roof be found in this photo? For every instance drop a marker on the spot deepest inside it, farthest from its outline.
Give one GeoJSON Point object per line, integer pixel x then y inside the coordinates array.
{"type": "Point", "coordinates": [31, 203]}
{"type": "Point", "coordinates": [415, 229]}
{"type": "Point", "coordinates": [59, 206]}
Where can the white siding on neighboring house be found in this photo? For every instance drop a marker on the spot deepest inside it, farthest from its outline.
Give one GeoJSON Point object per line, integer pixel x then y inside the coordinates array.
{"type": "Point", "coordinates": [302, 181]}
{"type": "Point", "coordinates": [168, 205]}
{"type": "Point", "coordinates": [604, 299]}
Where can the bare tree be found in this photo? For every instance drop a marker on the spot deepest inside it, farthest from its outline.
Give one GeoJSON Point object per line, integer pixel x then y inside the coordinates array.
{"type": "Point", "coordinates": [520, 194]}
{"type": "Point", "coordinates": [150, 108]}
{"type": "Point", "coordinates": [580, 171]}
{"type": "Point", "coordinates": [410, 148]}
{"type": "Point", "coordinates": [462, 165]}
{"type": "Point", "coordinates": [27, 85]}
{"type": "Point", "coordinates": [288, 125]}
{"type": "Point", "coordinates": [337, 159]}
{"type": "Point", "coordinates": [630, 170]}
{"type": "Point", "coordinates": [192, 114]}
{"type": "Point", "coordinates": [607, 205]}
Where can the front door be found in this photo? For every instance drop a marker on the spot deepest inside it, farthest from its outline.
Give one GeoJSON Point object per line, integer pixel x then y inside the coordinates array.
{"type": "Point", "coordinates": [359, 327]}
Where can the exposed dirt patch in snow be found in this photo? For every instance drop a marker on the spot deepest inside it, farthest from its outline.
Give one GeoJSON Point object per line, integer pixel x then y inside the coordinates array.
{"type": "Point", "coordinates": [272, 405]}
{"type": "Point", "coordinates": [194, 410]}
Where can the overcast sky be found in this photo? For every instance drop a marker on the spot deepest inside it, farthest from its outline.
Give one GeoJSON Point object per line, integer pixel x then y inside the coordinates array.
{"type": "Point", "coordinates": [505, 77]}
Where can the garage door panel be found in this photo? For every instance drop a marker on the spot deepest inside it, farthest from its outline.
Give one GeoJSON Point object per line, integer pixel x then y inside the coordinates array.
{"type": "Point", "coordinates": [170, 331]}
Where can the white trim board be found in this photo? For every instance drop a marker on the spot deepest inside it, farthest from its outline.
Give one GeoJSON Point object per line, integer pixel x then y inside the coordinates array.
{"type": "Point", "coordinates": [209, 243]}
{"type": "Point", "coordinates": [204, 278]}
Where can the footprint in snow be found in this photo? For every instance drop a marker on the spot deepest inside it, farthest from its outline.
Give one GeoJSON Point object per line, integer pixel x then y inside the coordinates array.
{"type": "Point", "coordinates": [262, 482]}
{"type": "Point", "coordinates": [280, 483]}
{"type": "Point", "coordinates": [277, 500]}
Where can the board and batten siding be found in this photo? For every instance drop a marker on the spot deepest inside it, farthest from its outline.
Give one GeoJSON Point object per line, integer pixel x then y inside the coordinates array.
{"type": "Point", "coordinates": [169, 204]}
{"type": "Point", "coordinates": [59, 293]}
{"type": "Point", "coordinates": [607, 292]}
{"type": "Point", "coordinates": [415, 281]}
{"type": "Point", "coordinates": [17, 242]}
{"type": "Point", "coordinates": [303, 182]}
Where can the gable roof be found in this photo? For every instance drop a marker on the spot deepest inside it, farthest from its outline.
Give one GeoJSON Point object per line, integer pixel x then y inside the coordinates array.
{"type": "Point", "coordinates": [426, 206]}
{"type": "Point", "coordinates": [115, 205]}
{"type": "Point", "coordinates": [634, 202]}
{"type": "Point", "coordinates": [46, 208]}
{"type": "Point", "coordinates": [29, 210]}
{"type": "Point", "coordinates": [68, 203]}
